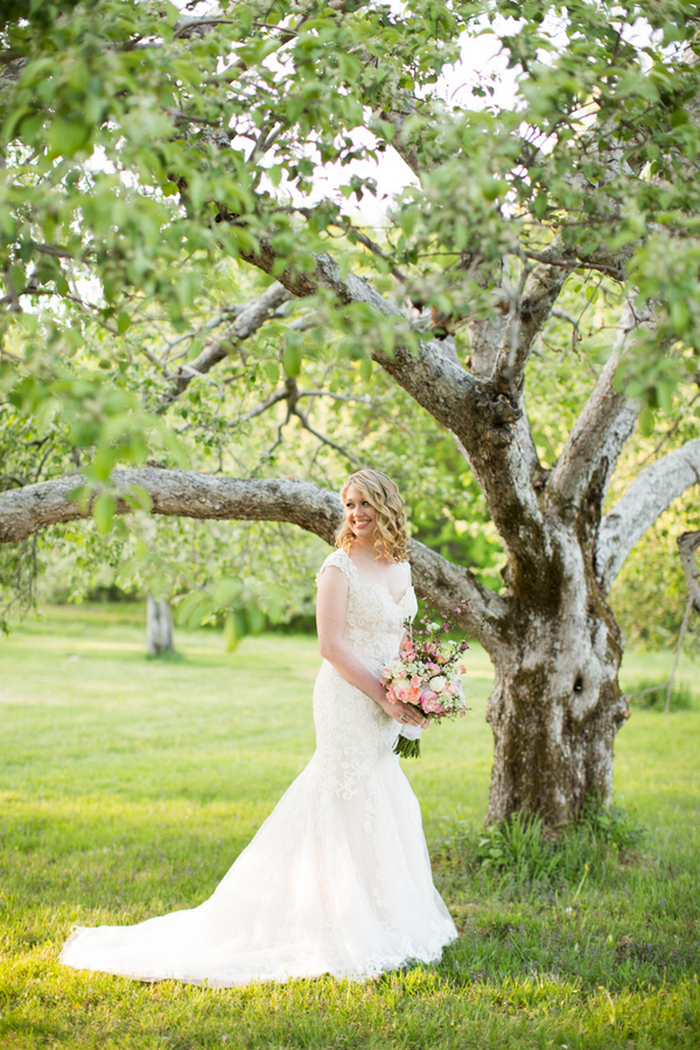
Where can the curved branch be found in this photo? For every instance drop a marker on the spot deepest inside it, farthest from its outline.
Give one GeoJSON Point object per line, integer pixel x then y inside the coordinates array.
{"type": "Point", "coordinates": [304, 420]}
{"type": "Point", "coordinates": [187, 494]}
{"type": "Point", "coordinates": [590, 435]}
{"type": "Point", "coordinates": [246, 324]}
{"type": "Point", "coordinates": [648, 496]}
{"type": "Point", "coordinates": [529, 307]}
{"type": "Point", "coordinates": [446, 584]}
{"type": "Point", "coordinates": [178, 493]}
{"type": "Point", "coordinates": [434, 376]}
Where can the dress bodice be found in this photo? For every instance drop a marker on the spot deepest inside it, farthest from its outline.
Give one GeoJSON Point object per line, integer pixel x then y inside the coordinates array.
{"type": "Point", "coordinates": [375, 621]}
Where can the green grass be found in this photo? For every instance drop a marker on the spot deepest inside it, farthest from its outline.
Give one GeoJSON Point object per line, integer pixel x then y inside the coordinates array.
{"type": "Point", "coordinates": [129, 785]}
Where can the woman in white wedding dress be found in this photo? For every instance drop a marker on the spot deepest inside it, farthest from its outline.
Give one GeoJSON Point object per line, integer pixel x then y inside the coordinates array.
{"type": "Point", "coordinates": [337, 880]}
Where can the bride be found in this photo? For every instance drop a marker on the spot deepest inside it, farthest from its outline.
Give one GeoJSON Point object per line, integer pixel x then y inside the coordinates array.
{"type": "Point", "coordinates": [337, 880]}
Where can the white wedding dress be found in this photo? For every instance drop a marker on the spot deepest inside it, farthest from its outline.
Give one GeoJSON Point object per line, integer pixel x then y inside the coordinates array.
{"type": "Point", "coordinates": [337, 880]}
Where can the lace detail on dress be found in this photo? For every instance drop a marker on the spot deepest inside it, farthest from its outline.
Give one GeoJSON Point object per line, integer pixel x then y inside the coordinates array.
{"type": "Point", "coordinates": [375, 622]}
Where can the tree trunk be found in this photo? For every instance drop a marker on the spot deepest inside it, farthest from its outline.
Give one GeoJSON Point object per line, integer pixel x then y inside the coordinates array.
{"type": "Point", "coordinates": [556, 704]}
{"type": "Point", "coordinates": [159, 626]}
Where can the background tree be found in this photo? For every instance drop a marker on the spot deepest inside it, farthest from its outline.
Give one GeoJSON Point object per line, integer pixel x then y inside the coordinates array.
{"type": "Point", "coordinates": [175, 286]}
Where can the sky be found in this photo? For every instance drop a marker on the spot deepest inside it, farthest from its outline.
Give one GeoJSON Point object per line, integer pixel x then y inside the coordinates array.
{"type": "Point", "coordinates": [480, 58]}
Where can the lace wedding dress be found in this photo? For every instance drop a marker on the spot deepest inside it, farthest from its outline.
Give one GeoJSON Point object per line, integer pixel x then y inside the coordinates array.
{"type": "Point", "coordinates": [337, 880]}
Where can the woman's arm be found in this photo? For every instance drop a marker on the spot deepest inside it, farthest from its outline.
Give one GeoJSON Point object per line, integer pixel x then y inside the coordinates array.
{"type": "Point", "coordinates": [331, 617]}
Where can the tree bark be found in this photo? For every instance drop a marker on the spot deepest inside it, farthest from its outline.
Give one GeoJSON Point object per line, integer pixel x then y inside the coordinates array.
{"type": "Point", "coordinates": [589, 436]}
{"type": "Point", "coordinates": [688, 543]}
{"type": "Point", "coordinates": [652, 491]}
{"type": "Point", "coordinates": [159, 626]}
{"type": "Point", "coordinates": [556, 705]}
{"type": "Point", "coordinates": [246, 324]}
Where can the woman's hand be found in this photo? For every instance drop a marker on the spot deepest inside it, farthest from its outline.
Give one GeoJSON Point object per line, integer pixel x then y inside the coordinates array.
{"type": "Point", "coordinates": [404, 714]}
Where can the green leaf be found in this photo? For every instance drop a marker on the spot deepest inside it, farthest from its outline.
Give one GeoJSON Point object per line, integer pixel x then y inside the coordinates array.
{"type": "Point", "coordinates": [18, 276]}
{"type": "Point", "coordinates": [13, 121]}
{"type": "Point", "coordinates": [680, 316]}
{"type": "Point", "coordinates": [103, 511]}
{"type": "Point", "coordinates": [81, 496]}
{"type": "Point", "coordinates": [256, 619]}
{"type": "Point", "coordinates": [188, 608]}
{"type": "Point", "coordinates": [29, 128]}
{"type": "Point", "coordinates": [66, 137]}
{"type": "Point", "coordinates": [123, 322]}
{"type": "Point", "coordinates": [230, 633]}
{"type": "Point", "coordinates": [139, 498]}
{"type": "Point", "coordinates": [646, 421]}
{"type": "Point", "coordinates": [291, 359]}
{"type": "Point", "coordinates": [225, 591]}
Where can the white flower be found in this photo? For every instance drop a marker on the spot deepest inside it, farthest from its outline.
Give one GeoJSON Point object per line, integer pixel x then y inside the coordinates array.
{"type": "Point", "coordinates": [395, 668]}
{"type": "Point", "coordinates": [438, 683]}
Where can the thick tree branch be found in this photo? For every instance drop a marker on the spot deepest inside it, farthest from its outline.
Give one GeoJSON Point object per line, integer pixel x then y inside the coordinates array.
{"type": "Point", "coordinates": [243, 327]}
{"type": "Point", "coordinates": [620, 433]}
{"type": "Point", "coordinates": [443, 582]}
{"type": "Point", "coordinates": [529, 308]}
{"type": "Point", "coordinates": [433, 377]}
{"type": "Point", "coordinates": [180, 493]}
{"type": "Point", "coordinates": [590, 435]}
{"type": "Point", "coordinates": [647, 497]}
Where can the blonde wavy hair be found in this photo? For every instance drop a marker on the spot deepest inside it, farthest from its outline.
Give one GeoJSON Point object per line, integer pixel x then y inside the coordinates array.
{"type": "Point", "coordinates": [391, 539]}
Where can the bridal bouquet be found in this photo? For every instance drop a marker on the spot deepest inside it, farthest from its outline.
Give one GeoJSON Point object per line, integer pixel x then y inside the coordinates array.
{"type": "Point", "coordinates": [427, 673]}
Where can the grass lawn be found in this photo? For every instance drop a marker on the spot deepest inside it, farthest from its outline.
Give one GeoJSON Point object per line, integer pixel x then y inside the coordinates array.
{"type": "Point", "coordinates": [129, 785]}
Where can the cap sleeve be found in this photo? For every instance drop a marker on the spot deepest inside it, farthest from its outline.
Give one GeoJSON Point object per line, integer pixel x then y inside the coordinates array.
{"type": "Point", "coordinates": [340, 560]}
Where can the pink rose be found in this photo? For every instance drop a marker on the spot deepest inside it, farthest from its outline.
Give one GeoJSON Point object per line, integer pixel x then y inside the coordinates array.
{"type": "Point", "coordinates": [430, 703]}
{"type": "Point", "coordinates": [427, 697]}
{"type": "Point", "coordinates": [397, 691]}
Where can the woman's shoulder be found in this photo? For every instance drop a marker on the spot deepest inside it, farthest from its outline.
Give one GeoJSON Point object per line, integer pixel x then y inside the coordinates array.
{"type": "Point", "coordinates": [338, 559]}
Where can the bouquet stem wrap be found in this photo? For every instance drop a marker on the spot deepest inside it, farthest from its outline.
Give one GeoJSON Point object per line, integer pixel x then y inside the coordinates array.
{"type": "Point", "coordinates": [408, 742]}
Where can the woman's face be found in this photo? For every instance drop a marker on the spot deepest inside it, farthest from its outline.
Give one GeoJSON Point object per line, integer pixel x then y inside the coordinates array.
{"type": "Point", "coordinates": [359, 514]}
